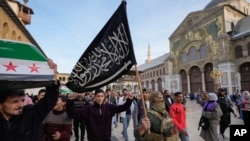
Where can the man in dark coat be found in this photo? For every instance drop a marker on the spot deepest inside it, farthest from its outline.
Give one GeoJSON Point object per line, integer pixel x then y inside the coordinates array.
{"type": "Point", "coordinates": [168, 100]}
{"type": "Point", "coordinates": [226, 108]}
{"type": "Point", "coordinates": [98, 117]}
{"type": "Point", "coordinates": [80, 102]}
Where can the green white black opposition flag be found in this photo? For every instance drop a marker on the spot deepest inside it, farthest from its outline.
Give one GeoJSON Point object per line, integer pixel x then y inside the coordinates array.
{"type": "Point", "coordinates": [107, 58]}
{"type": "Point", "coordinates": [23, 65]}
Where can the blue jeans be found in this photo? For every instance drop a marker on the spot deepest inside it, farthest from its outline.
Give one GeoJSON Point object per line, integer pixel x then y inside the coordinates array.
{"type": "Point", "coordinates": [114, 122]}
{"type": "Point", "coordinates": [125, 124]}
{"type": "Point", "coordinates": [183, 137]}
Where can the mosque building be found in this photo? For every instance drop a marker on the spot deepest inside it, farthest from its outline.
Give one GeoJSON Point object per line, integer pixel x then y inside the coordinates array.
{"type": "Point", "coordinates": [210, 49]}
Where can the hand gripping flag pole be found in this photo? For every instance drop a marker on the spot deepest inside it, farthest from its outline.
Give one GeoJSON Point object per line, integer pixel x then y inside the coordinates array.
{"type": "Point", "coordinates": [140, 89]}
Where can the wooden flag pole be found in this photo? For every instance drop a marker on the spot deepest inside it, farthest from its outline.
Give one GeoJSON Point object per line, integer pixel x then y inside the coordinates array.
{"type": "Point", "coordinates": [140, 90]}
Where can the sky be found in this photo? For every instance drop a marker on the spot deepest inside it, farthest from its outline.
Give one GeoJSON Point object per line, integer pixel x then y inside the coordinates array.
{"type": "Point", "coordinates": [64, 29]}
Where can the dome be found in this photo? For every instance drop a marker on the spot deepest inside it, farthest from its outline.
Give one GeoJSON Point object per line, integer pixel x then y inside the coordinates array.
{"type": "Point", "coordinates": [242, 28]}
{"type": "Point", "coordinates": [214, 3]}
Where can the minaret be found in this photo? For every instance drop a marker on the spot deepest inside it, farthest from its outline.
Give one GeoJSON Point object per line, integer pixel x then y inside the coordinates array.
{"type": "Point", "coordinates": [149, 54]}
{"type": "Point", "coordinates": [25, 2]}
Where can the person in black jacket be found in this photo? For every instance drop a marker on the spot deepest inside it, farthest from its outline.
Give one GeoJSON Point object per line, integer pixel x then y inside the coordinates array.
{"type": "Point", "coordinates": [226, 108]}
{"type": "Point", "coordinates": [23, 123]}
{"type": "Point", "coordinates": [168, 100]}
{"type": "Point", "coordinates": [80, 102]}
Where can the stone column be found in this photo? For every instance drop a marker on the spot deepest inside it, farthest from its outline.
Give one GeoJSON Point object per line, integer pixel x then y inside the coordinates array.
{"type": "Point", "coordinates": [188, 81]}
{"type": "Point", "coordinates": [203, 81]}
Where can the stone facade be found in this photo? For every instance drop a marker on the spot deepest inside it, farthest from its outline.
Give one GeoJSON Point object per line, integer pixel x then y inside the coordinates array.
{"type": "Point", "coordinates": [202, 52]}
{"type": "Point", "coordinates": [13, 21]}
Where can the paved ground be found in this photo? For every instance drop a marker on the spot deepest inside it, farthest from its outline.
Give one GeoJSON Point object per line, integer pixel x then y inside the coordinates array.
{"type": "Point", "coordinates": [193, 116]}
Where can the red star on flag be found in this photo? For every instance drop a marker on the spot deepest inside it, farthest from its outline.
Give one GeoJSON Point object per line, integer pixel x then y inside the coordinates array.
{"type": "Point", "coordinates": [34, 68]}
{"type": "Point", "coordinates": [10, 66]}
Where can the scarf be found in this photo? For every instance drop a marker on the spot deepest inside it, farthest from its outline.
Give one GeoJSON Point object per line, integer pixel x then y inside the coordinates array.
{"type": "Point", "coordinates": [157, 104]}
{"type": "Point", "coordinates": [209, 105]}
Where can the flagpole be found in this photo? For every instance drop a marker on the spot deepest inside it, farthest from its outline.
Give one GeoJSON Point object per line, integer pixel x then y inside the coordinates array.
{"type": "Point", "coordinates": [140, 90]}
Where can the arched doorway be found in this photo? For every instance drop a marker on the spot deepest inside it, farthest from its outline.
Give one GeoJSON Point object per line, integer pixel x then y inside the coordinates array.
{"type": "Point", "coordinates": [153, 85]}
{"type": "Point", "coordinates": [159, 83]}
{"type": "Point", "coordinates": [209, 82]}
{"type": "Point", "coordinates": [184, 81]}
{"type": "Point", "coordinates": [245, 76]}
{"type": "Point", "coordinates": [147, 84]}
{"type": "Point", "coordinates": [195, 79]}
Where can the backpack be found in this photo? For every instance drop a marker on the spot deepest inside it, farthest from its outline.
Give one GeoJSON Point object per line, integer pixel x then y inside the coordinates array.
{"type": "Point", "coordinates": [203, 123]}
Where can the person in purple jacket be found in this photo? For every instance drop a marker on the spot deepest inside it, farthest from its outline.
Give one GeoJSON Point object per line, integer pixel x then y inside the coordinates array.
{"type": "Point", "coordinates": [23, 123]}
{"type": "Point", "coordinates": [98, 117]}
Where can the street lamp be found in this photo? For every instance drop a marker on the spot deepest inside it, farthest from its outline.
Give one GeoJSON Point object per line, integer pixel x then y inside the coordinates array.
{"type": "Point", "coordinates": [216, 74]}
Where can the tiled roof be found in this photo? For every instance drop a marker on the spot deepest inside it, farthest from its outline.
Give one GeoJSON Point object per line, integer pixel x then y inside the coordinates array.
{"type": "Point", "coordinates": [154, 62]}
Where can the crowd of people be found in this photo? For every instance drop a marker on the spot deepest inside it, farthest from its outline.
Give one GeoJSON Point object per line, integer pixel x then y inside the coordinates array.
{"type": "Point", "coordinates": [157, 116]}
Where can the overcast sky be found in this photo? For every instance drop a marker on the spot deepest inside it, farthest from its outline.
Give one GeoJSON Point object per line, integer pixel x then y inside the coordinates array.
{"type": "Point", "coordinates": [64, 29]}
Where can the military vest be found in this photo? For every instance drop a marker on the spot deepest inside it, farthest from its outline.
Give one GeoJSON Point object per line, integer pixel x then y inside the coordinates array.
{"type": "Point", "coordinates": [158, 124]}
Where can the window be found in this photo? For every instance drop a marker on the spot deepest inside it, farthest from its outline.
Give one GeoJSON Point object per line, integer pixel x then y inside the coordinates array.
{"type": "Point", "coordinates": [238, 52]}
{"type": "Point", "coordinates": [184, 58]}
{"type": "Point", "coordinates": [19, 38]}
{"type": "Point", "coordinates": [5, 30]}
{"type": "Point", "coordinates": [14, 36]}
{"type": "Point", "coordinates": [193, 54]}
{"type": "Point", "coordinates": [203, 51]}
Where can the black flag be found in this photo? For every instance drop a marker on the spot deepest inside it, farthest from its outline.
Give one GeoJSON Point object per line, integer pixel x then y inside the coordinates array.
{"type": "Point", "coordinates": [107, 58]}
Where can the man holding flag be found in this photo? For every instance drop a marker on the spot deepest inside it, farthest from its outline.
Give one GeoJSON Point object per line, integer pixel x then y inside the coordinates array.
{"type": "Point", "coordinates": [23, 123]}
{"type": "Point", "coordinates": [98, 117]}
{"type": "Point", "coordinates": [108, 57]}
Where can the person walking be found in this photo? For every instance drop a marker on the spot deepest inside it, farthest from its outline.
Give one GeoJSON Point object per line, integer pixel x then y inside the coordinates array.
{"type": "Point", "coordinates": [80, 102]}
{"type": "Point", "coordinates": [203, 99]}
{"type": "Point", "coordinates": [246, 107]}
{"type": "Point", "coordinates": [178, 113]}
{"type": "Point", "coordinates": [98, 117]}
{"type": "Point", "coordinates": [238, 98]}
{"type": "Point", "coordinates": [57, 125]}
{"type": "Point", "coordinates": [126, 115]}
{"type": "Point", "coordinates": [111, 98]}
{"type": "Point", "coordinates": [168, 100]}
{"type": "Point", "coordinates": [23, 123]}
{"type": "Point", "coordinates": [212, 111]}
{"type": "Point", "coordinates": [145, 94]}
{"type": "Point", "coordinates": [226, 108]}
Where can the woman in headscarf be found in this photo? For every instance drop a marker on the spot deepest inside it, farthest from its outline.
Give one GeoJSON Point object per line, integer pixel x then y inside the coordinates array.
{"type": "Point", "coordinates": [246, 107]}
{"type": "Point", "coordinates": [157, 117]}
{"type": "Point", "coordinates": [211, 110]}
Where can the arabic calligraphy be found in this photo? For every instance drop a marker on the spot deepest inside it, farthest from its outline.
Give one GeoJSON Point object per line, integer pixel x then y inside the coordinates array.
{"type": "Point", "coordinates": [111, 55]}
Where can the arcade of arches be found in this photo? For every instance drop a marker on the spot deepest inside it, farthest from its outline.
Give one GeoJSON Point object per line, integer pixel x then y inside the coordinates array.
{"type": "Point", "coordinates": [155, 84]}
{"type": "Point", "coordinates": [200, 79]}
